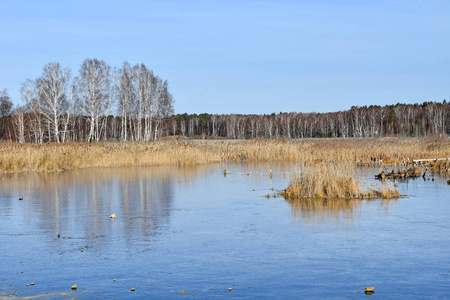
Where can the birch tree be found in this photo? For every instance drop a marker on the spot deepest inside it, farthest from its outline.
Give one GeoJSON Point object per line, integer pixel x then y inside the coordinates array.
{"type": "Point", "coordinates": [163, 104]}
{"type": "Point", "coordinates": [125, 95]}
{"type": "Point", "coordinates": [52, 88]}
{"type": "Point", "coordinates": [93, 93]}
{"type": "Point", "coordinates": [33, 102]}
{"type": "Point", "coordinates": [144, 82]}
{"type": "Point", "coordinates": [19, 124]}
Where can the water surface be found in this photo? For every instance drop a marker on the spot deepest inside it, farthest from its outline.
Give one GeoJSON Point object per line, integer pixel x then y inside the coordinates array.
{"type": "Point", "coordinates": [184, 232]}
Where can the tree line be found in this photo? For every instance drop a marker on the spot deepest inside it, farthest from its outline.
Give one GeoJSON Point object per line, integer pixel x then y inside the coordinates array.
{"type": "Point", "coordinates": [133, 104]}
{"type": "Point", "coordinates": [100, 103]}
{"type": "Point", "coordinates": [408, 120]}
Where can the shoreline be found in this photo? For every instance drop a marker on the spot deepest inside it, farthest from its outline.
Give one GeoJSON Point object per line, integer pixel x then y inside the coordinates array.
{"type": "Point", "coordinates": [15, 157]}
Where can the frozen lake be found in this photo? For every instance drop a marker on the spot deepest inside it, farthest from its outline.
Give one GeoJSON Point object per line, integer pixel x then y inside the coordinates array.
{"type": "Point", "coordinates": [184, 232]}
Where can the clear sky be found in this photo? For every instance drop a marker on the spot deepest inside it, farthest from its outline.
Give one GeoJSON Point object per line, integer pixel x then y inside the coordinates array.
{"type": "Point", "coordinates": [243, 56]}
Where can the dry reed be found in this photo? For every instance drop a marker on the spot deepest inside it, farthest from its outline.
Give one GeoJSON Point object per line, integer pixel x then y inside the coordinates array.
{"type": "Point", "coordinates": [59, 157]}
{"type": "Point", "coordinates": [54, 157]}
{"type": "Point", "coordinates": [336, 181]}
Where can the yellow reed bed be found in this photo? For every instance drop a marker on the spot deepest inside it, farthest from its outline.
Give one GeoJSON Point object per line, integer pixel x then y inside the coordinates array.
{"type": "Point", "coordinates": [55, 157]}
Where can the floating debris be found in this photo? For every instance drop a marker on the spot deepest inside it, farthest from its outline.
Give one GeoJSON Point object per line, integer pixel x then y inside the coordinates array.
{"type": "Point", "coordinates": [74, 287]}
{"type": "Point", "coordinates": [28, 284]}
{"type": "Point", "coordinates": [133, 289]}
{"type": "Point", "coordinates": [114, 280]}
{"type": "Point", "coordinates": [113, 216]}
{"type": "Point", "coordinates": [369, 289]}
{"type": "Point", "coordinates": [410, 173]}
{"type": "Point", "coordinates": [230, 289]}
{"type": "Point", "coordinates": [58, 235]}
{"type": "Point", "coordinates": [81, 250]}
{"type": "Point", "coordinates": [32, 283]}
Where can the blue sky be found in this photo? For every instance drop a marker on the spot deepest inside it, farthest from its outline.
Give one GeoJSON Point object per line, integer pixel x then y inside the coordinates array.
{"type": "Point", "coordinates": [243, 56]}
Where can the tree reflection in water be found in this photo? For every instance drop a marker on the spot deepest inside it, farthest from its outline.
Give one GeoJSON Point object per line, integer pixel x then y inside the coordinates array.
{"type": "Point", "coordinates": [77, 204]}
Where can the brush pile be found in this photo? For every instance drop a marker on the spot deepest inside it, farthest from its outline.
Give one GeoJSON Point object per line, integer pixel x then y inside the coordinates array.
{"type": "Point", "coordinates": [400, 174]}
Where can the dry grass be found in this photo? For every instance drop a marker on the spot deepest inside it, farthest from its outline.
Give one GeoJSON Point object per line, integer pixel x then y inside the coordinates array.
{"type": "Point", "coordinates": [315, 151]}
{"type": "Point", "coordinates": [384, 192]}
{"type": "Point", "coordinates": [332, 181]}
{"type": "Point", "coordinates": [55, 157]}
{"type": "Point", "coordinates": [326, 181]}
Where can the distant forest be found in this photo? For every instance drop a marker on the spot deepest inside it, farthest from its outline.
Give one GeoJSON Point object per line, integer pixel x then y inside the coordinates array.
{"type": "Point", "coordinates": [408, 120]}
{"type": "Point", "coordinates": [133, 104]}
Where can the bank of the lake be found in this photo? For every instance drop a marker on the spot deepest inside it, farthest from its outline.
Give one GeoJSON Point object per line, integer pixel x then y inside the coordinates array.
{"type": "Point", "coordinates": [16, 157]}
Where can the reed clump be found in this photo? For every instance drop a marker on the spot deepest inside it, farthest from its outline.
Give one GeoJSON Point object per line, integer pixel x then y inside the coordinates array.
{"type": "Point", "coordinates": [332, 181]}
{"type": "Point", "coordinates": [385, 192]}
{"type": "Point", "coordinates": [335, 181]}
{"type": "Point", "coordinates": [312, 152]}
